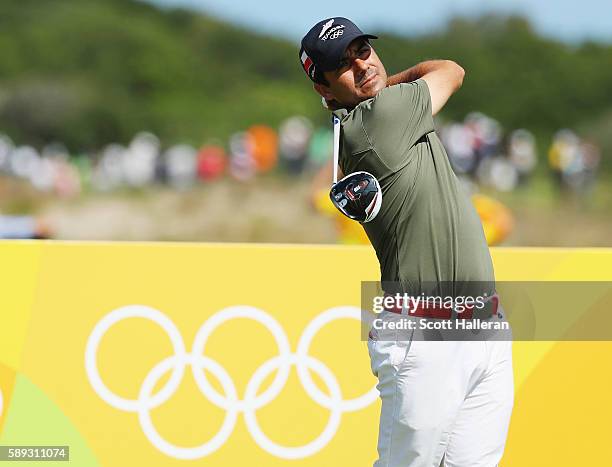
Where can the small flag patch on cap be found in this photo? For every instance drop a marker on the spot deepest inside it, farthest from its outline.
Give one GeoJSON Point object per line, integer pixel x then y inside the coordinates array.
{"type": "Point", "coordinates": [307, 64]}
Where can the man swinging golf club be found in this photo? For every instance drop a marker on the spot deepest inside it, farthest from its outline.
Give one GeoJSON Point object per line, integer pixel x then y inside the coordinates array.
{"type": "Point", "coordinates": [443, 403]}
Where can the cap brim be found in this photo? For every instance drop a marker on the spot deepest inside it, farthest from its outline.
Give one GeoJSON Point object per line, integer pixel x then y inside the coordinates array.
{"type": "Point", "coordinates": [345, 42]}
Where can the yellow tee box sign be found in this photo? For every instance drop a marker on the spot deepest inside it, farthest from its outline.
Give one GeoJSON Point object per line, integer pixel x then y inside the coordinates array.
{"type": "Point", "coordinates": [223, 355]}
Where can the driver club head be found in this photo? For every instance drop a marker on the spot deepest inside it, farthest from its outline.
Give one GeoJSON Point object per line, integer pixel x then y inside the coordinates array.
{"type": "Point", "coordinates": [358, 196]}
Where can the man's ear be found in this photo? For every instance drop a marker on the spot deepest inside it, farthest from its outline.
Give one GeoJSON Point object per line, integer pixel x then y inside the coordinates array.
{"type": "Point", "coordinates": [324, 91]}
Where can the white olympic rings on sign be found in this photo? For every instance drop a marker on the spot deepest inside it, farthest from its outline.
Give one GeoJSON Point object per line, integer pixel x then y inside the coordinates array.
{"type": "Point", "coordinates": [229, 401]}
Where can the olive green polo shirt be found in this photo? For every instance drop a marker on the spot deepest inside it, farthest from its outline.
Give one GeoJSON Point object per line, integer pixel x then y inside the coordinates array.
{"type": "Point", "coordinates": [427, 229]}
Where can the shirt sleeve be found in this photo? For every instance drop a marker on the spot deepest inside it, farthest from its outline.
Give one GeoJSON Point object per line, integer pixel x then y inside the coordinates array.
{"type": "Point", "coordinates": [396, 119]}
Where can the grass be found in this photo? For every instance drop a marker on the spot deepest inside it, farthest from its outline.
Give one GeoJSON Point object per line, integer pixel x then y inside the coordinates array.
{"type": "Point", "coordinates": [278, 209]}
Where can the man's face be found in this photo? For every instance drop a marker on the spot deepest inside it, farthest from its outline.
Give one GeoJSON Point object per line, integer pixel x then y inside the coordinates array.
{"type": "Point", "coordinates": [361, 76]}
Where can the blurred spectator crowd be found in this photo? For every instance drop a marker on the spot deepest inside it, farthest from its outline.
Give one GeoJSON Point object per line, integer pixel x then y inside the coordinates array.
{"type": "Point", "coordinates": [480, 153]}
{"type": "Point", "coordinates": [297, 146]}
{"type": "Point", "coordinates": [477, 147]}
{"type": "Point", "coordinates": [574, 162]}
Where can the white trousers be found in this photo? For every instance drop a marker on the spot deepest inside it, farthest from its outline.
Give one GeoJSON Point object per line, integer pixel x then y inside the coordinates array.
{"type": "Point", "coordinates": [444, 403]}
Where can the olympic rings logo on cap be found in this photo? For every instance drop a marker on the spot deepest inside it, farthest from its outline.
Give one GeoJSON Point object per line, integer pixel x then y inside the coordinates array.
{"type": "Point", "coordinates": [229, 401]}
{"type": "Point", "coordinates": [336, 34]}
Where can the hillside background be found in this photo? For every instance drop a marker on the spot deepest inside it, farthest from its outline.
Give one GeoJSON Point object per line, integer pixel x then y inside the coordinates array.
{"type": "Point", "coordinates": [87, 72]}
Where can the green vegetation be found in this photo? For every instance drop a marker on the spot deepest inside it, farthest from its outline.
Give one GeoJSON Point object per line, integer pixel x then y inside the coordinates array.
{"type": "Point", "coordinates": [88, 72]}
